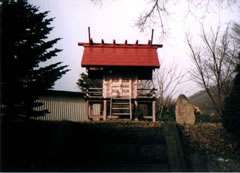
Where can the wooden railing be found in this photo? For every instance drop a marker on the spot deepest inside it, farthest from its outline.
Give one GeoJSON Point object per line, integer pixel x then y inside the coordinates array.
{"type": "Point", "coordinates": [95, 92]}
{"type": "Point", "coordinates": [144, 92]}
{"type": "Point", "coordinates": [141, 92]}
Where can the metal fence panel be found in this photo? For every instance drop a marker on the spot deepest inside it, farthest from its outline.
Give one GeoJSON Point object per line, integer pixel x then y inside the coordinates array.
{"type": "Point", "coordinates": [62, 108]}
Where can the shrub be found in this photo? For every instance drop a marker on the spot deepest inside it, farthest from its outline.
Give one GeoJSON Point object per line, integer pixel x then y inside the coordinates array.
{"type": "Point", "coordinates": [207, 118]}
{"type": "Point", "coordinates": [168, 113]}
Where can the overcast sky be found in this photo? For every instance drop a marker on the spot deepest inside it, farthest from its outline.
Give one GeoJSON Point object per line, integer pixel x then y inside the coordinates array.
{"type": "Point", "coordinates": [116, 20]}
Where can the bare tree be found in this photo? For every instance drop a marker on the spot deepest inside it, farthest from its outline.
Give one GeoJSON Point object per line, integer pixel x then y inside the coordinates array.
{"type": "Point", "coordinates": [160, 11]}
{"type": "Point", "coordinates": [167, 80]}
{"type": "Point", "coordinates": [213, 64]}
{"type": "Point", "coordinates": [236, 34]}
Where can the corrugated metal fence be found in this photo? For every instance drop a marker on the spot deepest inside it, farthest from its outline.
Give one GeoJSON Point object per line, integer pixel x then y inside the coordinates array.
{"type": "Point", "coordinates": [63, 108]}
{"type": "Point", "coordinates": [64, 105]}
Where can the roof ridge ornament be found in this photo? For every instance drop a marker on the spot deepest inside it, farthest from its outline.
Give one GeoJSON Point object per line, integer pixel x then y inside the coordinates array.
{"type": "Point", "coordinates": [91, 41]}
{"type": "Point", "coordinates": [118, 45]}
{"type": "Point", "coordinates": [152, 36]}
{"type": "Point", "coordinates": [123, 45]}
{"type": "Point", "coordinates": [89, 35]}
{"type": "Point", "coordinates": [149, 42]}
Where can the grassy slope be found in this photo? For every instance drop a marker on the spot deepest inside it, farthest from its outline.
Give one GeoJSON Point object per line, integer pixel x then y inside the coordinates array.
{"type": "Point", "coordinates": [212, 139]}
{"type": "Point", "coordinates": [45, 145]}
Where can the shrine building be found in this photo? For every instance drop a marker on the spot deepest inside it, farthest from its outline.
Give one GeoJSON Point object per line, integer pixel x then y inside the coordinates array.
{"type": "Point", "coordinates": [120, 67]}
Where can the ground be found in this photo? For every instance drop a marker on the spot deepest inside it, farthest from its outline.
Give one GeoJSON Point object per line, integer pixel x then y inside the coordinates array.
{"type": "Point", "coordinates": [212, 140]}
{"type": "Point", "coordinates": [119, 145]}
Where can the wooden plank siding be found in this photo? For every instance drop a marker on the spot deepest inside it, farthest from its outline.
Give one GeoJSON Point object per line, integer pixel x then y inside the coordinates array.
{"type": "Point", "coordinates": [119, 86]}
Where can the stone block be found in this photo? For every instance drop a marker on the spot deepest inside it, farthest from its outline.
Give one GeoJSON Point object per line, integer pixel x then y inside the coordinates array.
{"type": "Point", "coordinates": [184, 111]}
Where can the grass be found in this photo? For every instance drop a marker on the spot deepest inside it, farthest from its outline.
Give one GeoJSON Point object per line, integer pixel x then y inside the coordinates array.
{"type": "Point", "coordinates": [90, 146]}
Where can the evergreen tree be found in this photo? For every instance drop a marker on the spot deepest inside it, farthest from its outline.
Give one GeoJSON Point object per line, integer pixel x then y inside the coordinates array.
{"type": "Point", "coordinates": [84, 82]}
{"type": "Point", "coordinates": [231, 113]}
{"type": "Point", "coordinates": [25, 45]}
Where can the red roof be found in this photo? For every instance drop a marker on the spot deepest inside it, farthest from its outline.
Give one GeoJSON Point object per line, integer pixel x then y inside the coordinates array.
{"type": "Point", "coordinates": [102, 54]}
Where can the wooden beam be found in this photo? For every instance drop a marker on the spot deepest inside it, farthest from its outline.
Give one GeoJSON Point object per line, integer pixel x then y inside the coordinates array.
{"type": "Point", "coordinates": [87, 111]}
{"type": "Point", "coordinates": [136, 109]}
{"type": "Point", "coordinates": [111, 103]}
{"type": "Point", "coordinates": [96, 116]}
{"type": "Point", "coordinates": [130, 96]}
{"type": "Point", "coordinates": [114, 117]}
{"type": "Point", "coordinates": [91, 108]}
{"type": "Point", "coordinates": [89, 35]}
{"type": "Point", "coordinates": [147, 117]}
{"type": "Point", "coordinates": [154, 111]}
{"type": "Point", "coordinates": [104, 110]}
{"type": "Point", "coordinates": [149, 42]}
{"type": "Point", "coordinates": [91, 41]}
{"type": "Point", "coordinates": [152, 36]}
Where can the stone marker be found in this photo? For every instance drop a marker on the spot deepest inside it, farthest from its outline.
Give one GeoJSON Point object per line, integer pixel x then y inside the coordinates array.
{"type": "Point", "coordinates": [184, 111]}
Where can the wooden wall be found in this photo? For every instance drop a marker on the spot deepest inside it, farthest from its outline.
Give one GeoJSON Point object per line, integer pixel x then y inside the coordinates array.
{"type": "Point", "coordinates": [118, 86]}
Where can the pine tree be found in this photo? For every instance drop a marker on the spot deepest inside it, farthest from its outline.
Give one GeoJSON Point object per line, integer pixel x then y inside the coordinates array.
{"type": "Point", "coordinates": [25, 45]}
{"type": "Point", "coordinates": [84, 82]}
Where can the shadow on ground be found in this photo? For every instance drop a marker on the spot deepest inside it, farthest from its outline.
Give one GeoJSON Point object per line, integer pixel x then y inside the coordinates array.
{"type": "Point", "coordinates": [70, 146]}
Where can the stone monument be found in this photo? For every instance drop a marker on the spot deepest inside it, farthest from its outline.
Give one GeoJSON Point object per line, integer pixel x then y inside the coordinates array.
{"type": "Point", "coordinates": [184, 111]}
